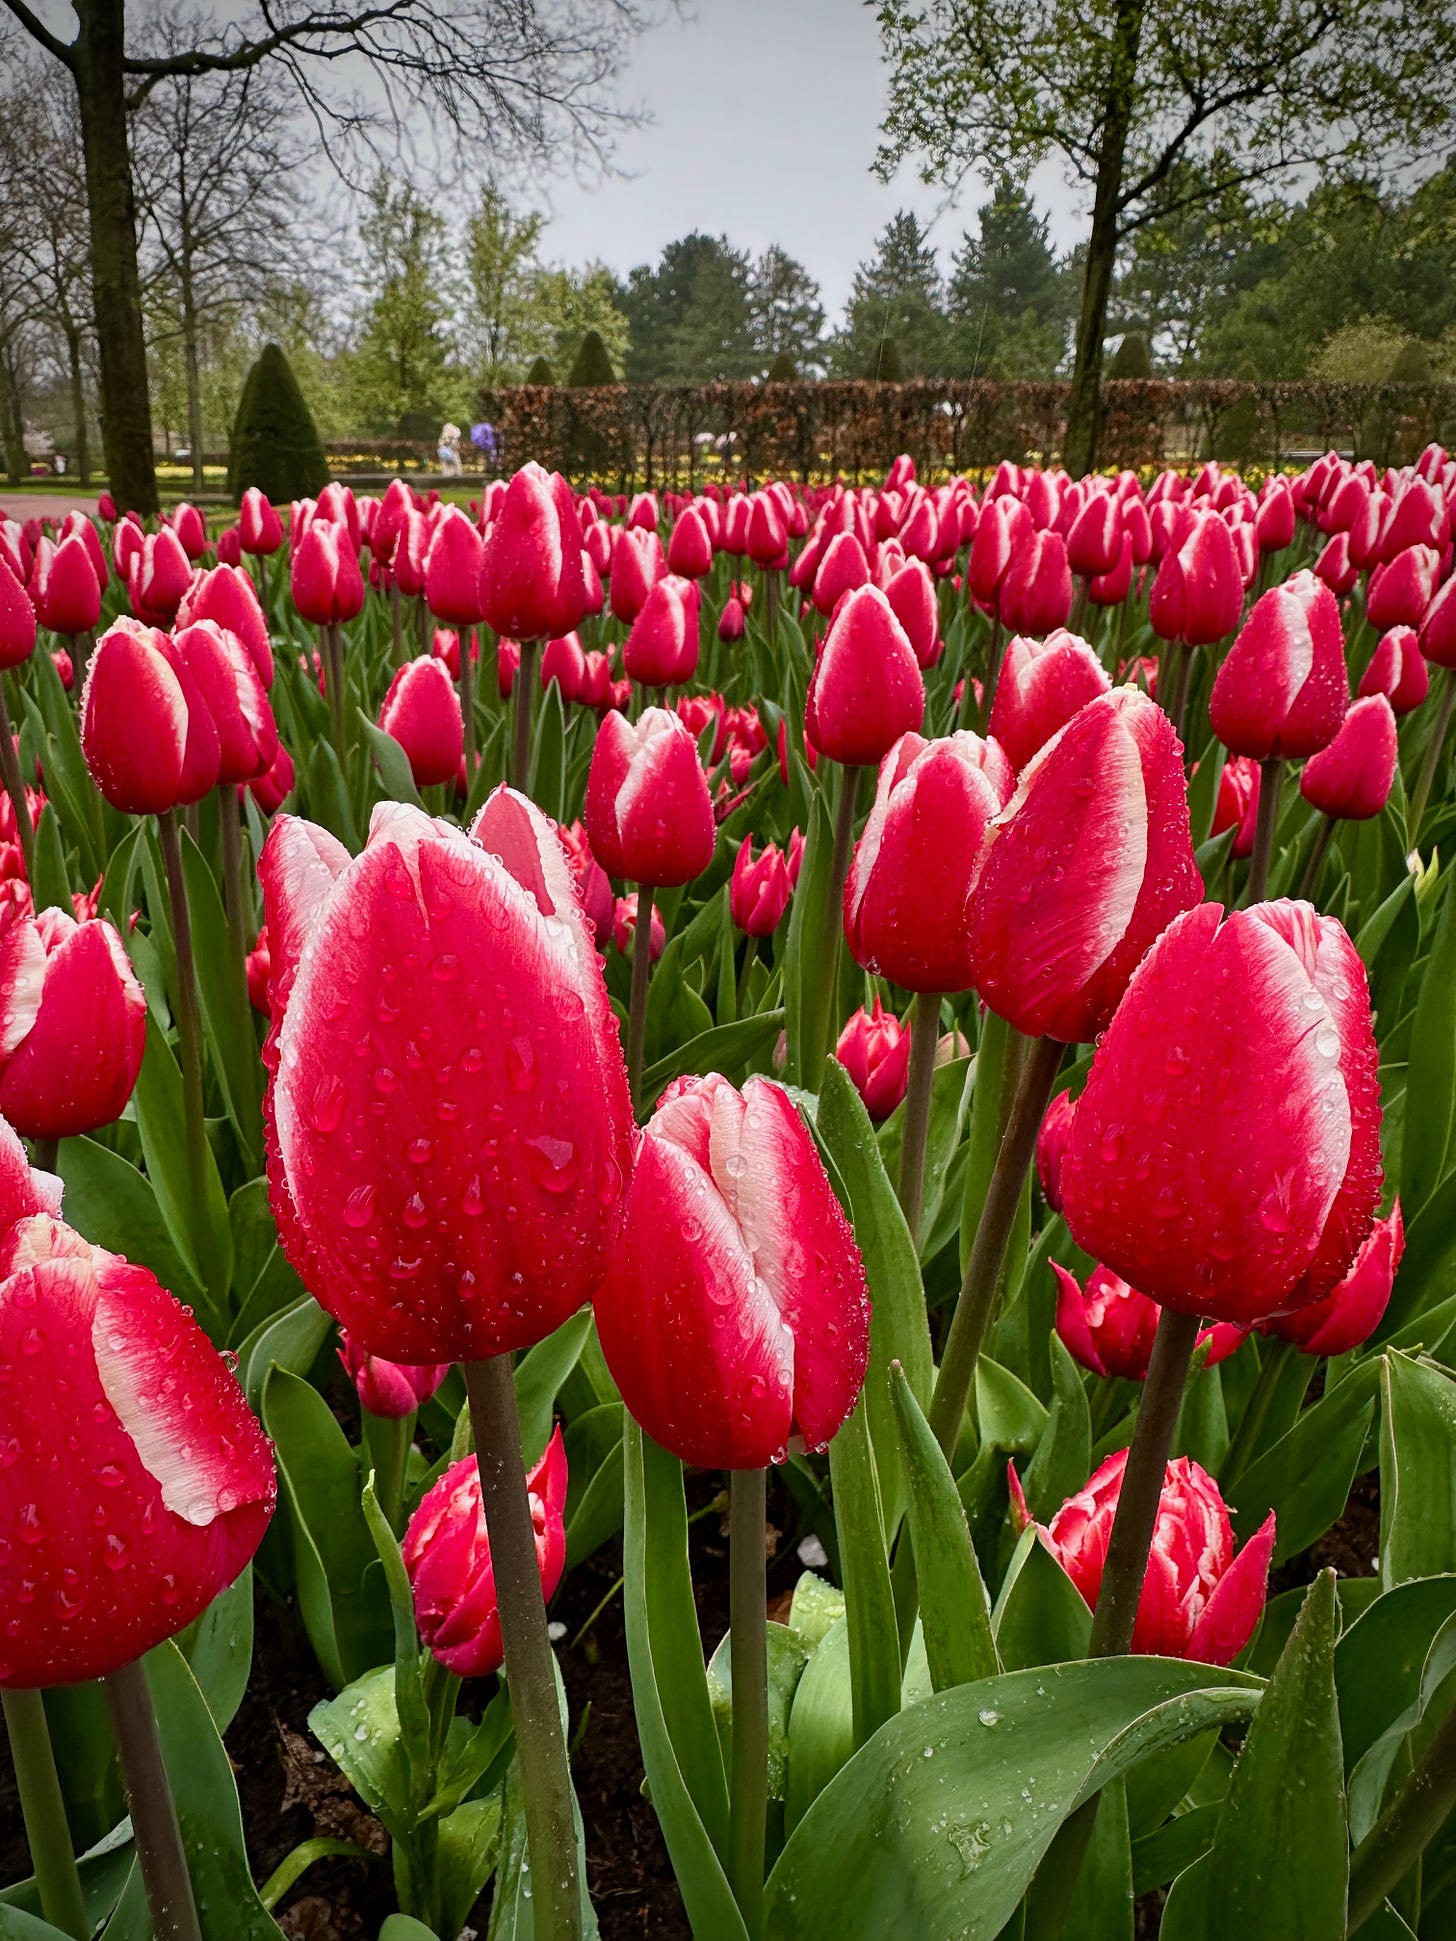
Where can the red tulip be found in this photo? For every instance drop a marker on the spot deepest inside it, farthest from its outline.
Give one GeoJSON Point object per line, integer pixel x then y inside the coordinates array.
{"type": "Point", "coordinates": [624, 928]}
{"type": "Point", "coordinates": [258, 968]}
{"type": "Point", "coordinates": [159, 577]}
{"type": "Point", "coordinates": [1351, 1312]}
{"type": "Point", "coordinates": [593, 886]}
{"type": "Point", "coordinates": [73, 1025]}
{"type": "Point", "coordinates": [17, 619]}
{"type": "Point", "coordinates": [1094, 539]}
{"type": "Point", "coordinates": [759, 891]}
{"type": "Point", "coordinates": [1109, 1327]}
{"type": "Point", "coordinates": [768, 534]}
{"type": "Point", "coordinates": [259, 526]}
{"type": "Point", "coordinates": [1438, 627]}
{"type": "Point", "coordinates": [1089, 862]}
{"type": "Point", "coordinates": [448, 1177]}
{"type": "Point", "coordinates": [637, 565]}
{"type": "Point", "coordinates": [689, 547]}
{"type": "Point", "coordinates": [1352, 777]}
{"type": "Point", "coordinates": [662, 648]}
{"type": "Point", "coordinates": [730, 621]}
{"type": "Point", "coordinates": [1199, 1601]}
{"type": "Point", "coordinates": [1002, 524]}
{"type": "Point", "coordinates": [874, 1048]}
{"type": "Point", "coordinates": [648, 814]}
{"type": "Point", "coordinates": [1274, 519]}
{"type": "Point", "coordinates": [136, 1488]}
{"type": "Point", "coordinates": [147, 735]}
{"type": "Point", "coordinates": [843, 568]}
{"type": "Point", "coordinates": [64, 588]}
{"type": "Point", "coordinates": [905, 896]}
{"type": "Point", "coordinates": [1335, 567]}
{"type": "Point", "coordinates": [1051, 1145]}
{"type": "Point", "coordinates": [1283, 691]}
{"type": "Point", "coordinates": [106, 507]}
{"type": "Point", "coordinates": [422, 712]}
{"type": "Point", "coordinates": [1110, 589]}
{"type": "Point", "coordinates": [1225, 1157]}
{"type": "Point", "coordinates": [1397, 670]}
{"type": "Point", "coordinates": [1400, 591]}
{"type": "Point", "coordinates": [1199, 590]}
{"type": "Point", "coordinates": [866, 689]}
{"type": "Point", "coordinates": [453, 571]}
{"type": "Point", "coordinates": [1042, 684]}
{"type": "Point", "coordinates": [911, 593]}
{"type": "Point", "coordinates": [564, 662]}
{"type": "Point", "coordinates": [227, 680]}
{"type": "Point", "coordinates": [226, 595]}
{"type": "Point", "coordinates": [1237, 806]}
{"type": "Point", "coordinates": [327, 586]}
{"type": "Point", "coordinates": [271, 790]}
{"type": "Point", "coordinates": [392, 1389]}
{"type": "Point", "coordinates": [1036, 594]}
{"type": "Point", "coordinates": [735, 1313]}
{"type": "Point", "coordinates": [447, 1556]}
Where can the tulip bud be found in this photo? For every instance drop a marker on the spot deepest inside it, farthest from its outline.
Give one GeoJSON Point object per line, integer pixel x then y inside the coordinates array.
{"type": "Point", "coordinates": [648, 812]}
{"type": "Point", "coordinates": [905, 895]}
{"type": "Point", "coordinates": [1237, 806]}
{"type": "Point", "coordinates": [258, 968]}
{"type": "Point", "coordinates": [874, 1048]}
{"type": "Point", "coordinates": [1397, 670]}
{"type": "Point", "coordinates": [422, 712]}
{"type": "Point", "coordinates": [17, 619]}
{"type": "Point", "coordinates": [140, 1484]}
{"type": "Point", "coordinates": [689, 548]}
{"type": "Point", "coordinates": [227, 681]}
{"type": "Point", "coordinates": [1108, 1326]}
{"type": "Point", "coordinates": [1351, 778]}
{"type": "Point", "coordinates": [64, 587]}
{"type": "Point", "coordinates": [1283, 690]}
{"type": "Point", "coordinates": [1199, 590]}
{"type": "Point", "coordinates": [624, 928]}
{"type": "Point", "coordinates": [106, 508]}
{"type": "Point", "coordinates": [1225, 1157]}
{"type": "Point", "coordinates": [730, 1217]}
{"type": "Point", "coordinates": [1042, 684]}
{"type": "Point", "coordinates": [1051, 1146]}
{"type": "Point", "coordinates": [1086, 865]}
{"type": "Point", "coordinates": [1400, 591]}
{"type": "Point", "coordinates": [73, 1026]}
{"type": "Point", "coordinates": [393, 1389]}
{"type": "Point", "coordinates": [1199, 1601]}
{"type": "Point", "coordinates": [148, 738]}
{"type": "Point", "coordinates": [1349, 1314]}
{"type": "Point", "coordinates": [758, 892]}
{"type": "Point", "coordinates": [730, 621]}
{"type": "Point", "coordinates": [447, 1557]}
{"type": "Point", "coordinates": [259, 526]}
{"type": "Point", "coordinates": [662, 648]}
{"type": "Point", "coordinates": [1036, 594]}
{"type": "Point", "coordinates": [271, 790]}
{"type": "Point", "coordinates": [453, 571]}
{"type": "Point", "coordinates": [866, 689]}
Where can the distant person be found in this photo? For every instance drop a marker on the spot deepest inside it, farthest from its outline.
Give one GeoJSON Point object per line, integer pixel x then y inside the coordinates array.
{"type": "Point", "coordinates": [58, 464]}
{"type": "Point", "coordinates": [449, 453]}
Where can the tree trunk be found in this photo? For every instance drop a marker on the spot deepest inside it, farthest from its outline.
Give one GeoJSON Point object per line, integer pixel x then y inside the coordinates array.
{"type": "Point", "coordinates": [126, 417]}
{"type": "Point", "coordinates": [12, 418]}
{"type": "Point", "coordinates": [78, 403]}
{"type": "Point", "coordinates": [193, 366]}
{"type": "Point", "coordinates": [1084, 405]}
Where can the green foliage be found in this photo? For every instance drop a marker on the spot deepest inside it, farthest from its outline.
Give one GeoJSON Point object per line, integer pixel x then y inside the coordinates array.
{"type": "Point", "coordinates": [1131, 358]}
{"type": "Point", "coordinates": [689, 315]}
{"type": "Point", "coordinates": [1009, 297]}
{"type": "Point", "coordinates": [400, 362]}
{"type": "Point", "coordinates": [540, 372]}
{"type": "Point", "coordinates": [783, 369]}
{"type": "Point", "coordinates": [886, 365]}
{"type": "Point", "coordinates": [897, 296]}
{"type": "Point", "coordinates": [786, 315]}
{"type": "Point", "coordinates": [275, 444]}
{"type": "Point", "coordinates": [592, 364]}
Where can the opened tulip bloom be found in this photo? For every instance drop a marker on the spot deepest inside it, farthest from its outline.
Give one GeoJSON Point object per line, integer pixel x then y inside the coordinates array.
{"type": "Point", "coordinates": [1350, 1313]}
{"type": "Point", "coordinates": [1200, 1599]}
{"type": "Point", "coordinates": [447, 1557]}
{"type": "Point", "coordinates": [1109, 1327]}
{"type": "Point", "coordinates": [874, 1048]}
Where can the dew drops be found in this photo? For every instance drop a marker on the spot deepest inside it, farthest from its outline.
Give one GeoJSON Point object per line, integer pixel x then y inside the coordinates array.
{"type": "Point", "coordinates": [326, 1107]}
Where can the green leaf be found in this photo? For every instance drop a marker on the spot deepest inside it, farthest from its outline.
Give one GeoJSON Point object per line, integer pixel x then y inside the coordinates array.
{"type": "Point", "coordinates": [1305, 1478]}
{"type": "Point", "coordinates": [953, 1607]}
{"type": "Point", "coordinates": [787, 1656]}
{"type": "Point", "coordinates": [679, 1741]}
{"type": "Point", "coordinates": [723, 1048]}
{"type": "Point", "coordinates": [198, 1232]}
{"type": "Point", "coordinates": [801, 946]}
{"type": "Point", "coordinates": [821, 1724]}
{"type": "Point", "coordinates": [227, 1015]}
{"type": "Point", "coordinates": [290, 1340]}
{"type": "Point", "coordinates": [404, 1927]}
{"type": "Point", "coordinates": [594, 1505]}
{"type": "Point", "coordinates": [219, 1648]}
{"type": "Point", "coordinates": [1063, 1459]}
{"type": "Point", "coordinates": [932, 1829]}
{"type": "Point", "coordinates": [548, 754]}
{"type": "Point", "coordinates": [392, 762]}
{"type": "Point", "coordinates": [1379, 1659]}
{"type": "Point", "coordinates": [985, 1132]}
{"type": "Point", "coordinates": [1091, 1879]}
{"type": "Point", "coordinates": [1417, 1470]}
{"type": "Point", "coordinates": [67, 778]}
{"type": "Point", "coordinates": [51, 889]}
{"type": "Point", "coordinates": [1430, 1093]}
{"type": "Point", "coordinates": [874, 1638]}
{"type": "Point", "coordinates": [1041, 1618]}
{"type": "Point", "coordinates": [1281, 1850]}
{"type": "Point", "coordinates": [113, 1205]}
{"type": "Point", "coordinates": [360, 1731]}
{"type": "Point", "coordinates": [1203, 789]}
{"type": "Point", "coordinates": [539, 1376]}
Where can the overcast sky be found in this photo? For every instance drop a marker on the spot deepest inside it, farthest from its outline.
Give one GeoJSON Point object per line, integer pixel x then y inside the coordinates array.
{"type": "Point", "coordinates": [765, 119]}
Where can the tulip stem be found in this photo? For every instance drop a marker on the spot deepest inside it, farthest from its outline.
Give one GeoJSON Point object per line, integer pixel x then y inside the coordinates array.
{"type": "Point", "coordinates": [530, 1671]}
{"type": "Point", "coordinates": [333, 660]}
{"type": "Point", "coordinates": [189, 1039]}
{"type": "Point", "coordinates": [1317, 858]}
{"type": "Point", "coordinates": [1185, 655]}
{"type": "Point", "coordinates": [1432, 758]}
{"type": "Point", "coordinates": [234, 882]}
{"type": "Point", "coordinates": [831, 929]}
{"type": "Point", "coordinates": [521, 726]}
{"type": "Point", "coordinates": [969, 712]}
{"type": "Point", "coordinates": [924, 1037]}
{"type": "Point", "coordinates": [15, 789]}
{"type": "Point", "coordinates": [1271, 774]}
{"type": "Point", "coordinates": [396, 622]}
{"type": "Point", "coordinates": [641, 972]}
{"type": "Point", "coordinates": [44, 1811]}
{"type": "Point", "coordinates": [1407, 1826]}
{"type": "Point", "coordinates": [153, 1809]}
{"type": "Point", "coordinates": [44, 1154]}
{"type": "Point", "coordinates": [748, 1653]}
{"type": "Point", "coordinates": [1142, 1485]}
{"type": "Point", "coordinates": [977, 1297]}
{"type": "Point", "coordinates": [467, 701]}
{"type": "Point", "coordinates": [387, 1442]}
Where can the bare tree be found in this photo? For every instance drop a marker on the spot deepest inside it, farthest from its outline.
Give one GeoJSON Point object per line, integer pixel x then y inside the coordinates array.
{"type": "Point", "coordinates": [503, 77]}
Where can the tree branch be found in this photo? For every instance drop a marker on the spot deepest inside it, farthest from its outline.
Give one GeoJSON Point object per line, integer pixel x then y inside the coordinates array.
{"type": "Point", "coordinates": [63, 51]}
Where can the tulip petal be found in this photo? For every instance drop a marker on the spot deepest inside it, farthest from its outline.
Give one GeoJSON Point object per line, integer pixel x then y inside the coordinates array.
{"type": "Point", "coordinates": [1227, 1621]}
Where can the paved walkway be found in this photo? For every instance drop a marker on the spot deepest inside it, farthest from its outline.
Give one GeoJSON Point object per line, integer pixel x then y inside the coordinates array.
{"type": "Point", "coordinates": [45, 505]}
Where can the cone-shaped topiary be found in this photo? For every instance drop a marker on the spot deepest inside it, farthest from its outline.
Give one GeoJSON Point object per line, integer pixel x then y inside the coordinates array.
{"type": "Point", "coordinates": [1411, 364]}
{"type": "Point", "coordinates": [275, 444]}
{"type": "Point", "coordinates": [591, 365]}
{"type": "Point", "coordinates": [1132, 358]}
{"type": "Point", "coordinates": [541, 372]}
{"type": "Point", "coordinates": [887, 366]}
{"type": "Point", "coordinates": [783, 370]}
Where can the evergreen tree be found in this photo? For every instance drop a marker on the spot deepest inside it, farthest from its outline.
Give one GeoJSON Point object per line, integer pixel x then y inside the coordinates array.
{"type": "Point", "coordinates": [689, 315]}
{"type": "Point", "coordinates": [1132, 358]}
{"type": "Point", "coordinates": [898, 293]}
{"type": "Point", "coordinates": [275, 444]}
{"type": "Point", "coordinates": [886, 365]}
{"type": "Point", "coordinates": [783, 370]}
{"type": "Point", "coordinates": [785, 313]}
{"type": "Point", "coordinates": [591, 365]}
{"type": "Point", "coordinates": [540, 372]}
{"type": "Point", "coordinates": [1009, 300]}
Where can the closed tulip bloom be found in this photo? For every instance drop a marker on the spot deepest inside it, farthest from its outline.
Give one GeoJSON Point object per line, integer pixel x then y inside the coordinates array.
{"type": "Point", "coordinates": [148, 739]}
{"type": "Point", "coordinates": [1438, 627]}
{"type": "Point", "coordinates": [227, 680]}
{"type": "Point", "coordinates": [1283, 689]}
{"type": "Point", "coordinates": [259, 527]}
{"type": "Point", "coordinates": [226, 595]}
{"type": "Point", "coordinates": [1110, 589]}
{"type": "Point", "coordinates": [689, 547]}
{"type": "Point", "coordinates": [911, 593]}
{"type": "Point", "coordinates": [1088, 863]}
{"type": "Point", "coordinates": [624, 928]}
{"type": "Point", "coordinates": [64, 589]}
{"type": "Point", "coordinates": [1397, 670]}
{"type": "Point", "coordinates": [191, 530]}
{"type": "Point", "coordinates": [593, 885]}
{"type": "Point", "coordinates": [842, 569]}
{"type": "Point", "coordinates": [392, 1389]}
{"type": "Point", "coordinates": [564, 662]}
{"type": "Point", "coordinates": [1400, 591]}
{"type": "Point", "coordinates": [1042, 684]}
{"type": "Point", "coordinates": [866, 689]}
{"type": "Point", "coordinates": [272, 789]}
{"type": "Point", "coordinates": [452, 571]}
{"type": "Point", "coordinates": [662, 648]}
{"type": "Point", "coordinates": [17, 619]}
{"type": "Point", "coordinates": [1335, 567]}
{"type": "Point", "coordinates": [1036, 594]}
{"type": "Point", "coordinates": [1274, 519]}
{"type": "Point", "coordinates": [73, 1025]}
{"type": "Point", "coordinates": [1094, 540]}
{"type": "Point", "coordinates": [1199, 590]}
{"type": "Point", "coordinates": [1002, 525]}
{"type": "Point", "coordinates": [905, 895]}
{"type": "Point", "coordinates": [422, 712]}
{"type": "Point", "coordinates": [1051, 1144]}
{"type": "Point", "coordinates": [1108, 1326]}
{"type": "Point", "coordinates": [648, 813]}
{"type": "Point", "coordinates": [447, 1177]}
{"type": "Point", "coordinates": [532, 586]}
{"type": "Point", "coordinates": [327, 585]}
{"type": "Point", "coordinates": [159, 577]}
{"type": "Point", "coordinates": [1351, 778]}
{"type": "Point", "coordinates": [1199, 1600]}
{"type": "Point", "coordinates": [447, 1557]}
{"type": "Point", "coordinates": [735, 1314]}
{"type": "Point", "coordinates": [1225, 1157]}
{"type": "Point", "coordinates": [759, 890]}
{"type": "Point", "coordinates": [874, 1048]}
{"type": "Point", "coordinates": [139, 1486]}
{"type": "Point", "coordinates": [1349, 1314]}
{"type": "Point", "coordinates": [637, 565]}
{"type": "Point", "coordinates": [1237, 806]}
{"type": "Point", "coordinates": [768, 534]}
{"type": "Point", "coordinates": [258, 969]}
{"type": "Point", "coordinates": [731, 623]}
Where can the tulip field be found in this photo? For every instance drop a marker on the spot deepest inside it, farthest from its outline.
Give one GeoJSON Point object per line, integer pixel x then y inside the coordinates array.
{"type": "Point", "coordinates": [832, 1106]}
